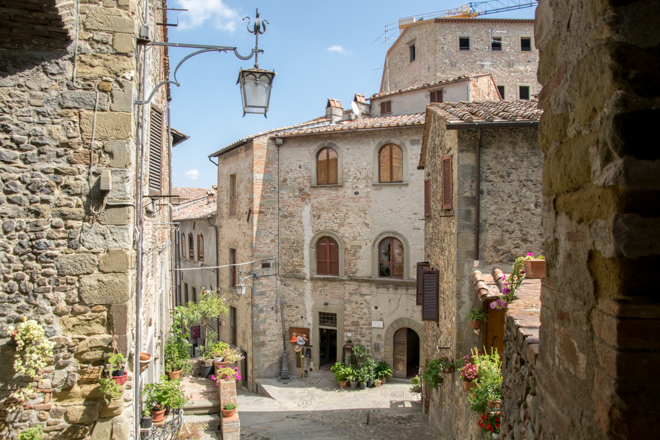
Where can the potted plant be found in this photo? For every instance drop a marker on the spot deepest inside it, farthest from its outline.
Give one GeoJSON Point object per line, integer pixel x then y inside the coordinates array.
{"type": "Point", "coordinates": [370, 368]}
{"type": "Point", "coordinates": [35, 433]}
{"type": "Point", "coordinates": [351, 376]}
{"type": "Point", "coordinates": [145, 360]}
{"type": "Point", "coordinates": [177, 356]}
{"type": "Point", "coordinates": [383, 371]}
{"type": "Point", "coordinates": [468, 373]}
{"type": "Point", "coordinates": [110, 389]}
{"type": "Point", "coordinates": [477, 316]}
{"type": "Point", "coordinates": [339, 370]}
{"type": "Point", "coordinates": [146, 420]}
{"type": "Point", "coordinates": [226, 373]}
{"type": "Point", "coordinates": [416, 385]}
{"type": "Point", "coordinates": [362, 378]}
{"type": "Point", "coordinates": [534, 266]}
{"type": "Point", "coordinates": [229, 409]}
{"type": "Point", "coordinates": [117, 362]}
{"type": "Point", "coordinates": [162, 395]}
{"type": "Point", "coordinates": [446, 365]}
{"type": "Point", "coordinates": [431, 375]}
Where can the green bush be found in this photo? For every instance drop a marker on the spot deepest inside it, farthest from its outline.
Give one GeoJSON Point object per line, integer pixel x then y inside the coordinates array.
{"type": "Point", "coordinates": [165, 393]}
{"type": "Point", "coordinates": [229, 406]}
{"type": "Point", "coordinates": [109, 388]}
{"type": "Point", "coordinates": [36, 433]}
{"type": "Point", "coordinates": [383, 370]}
{"type": "Point", "coordinates": [416, 385]}
{"type": "Point", "coordinates": [488, 381]}
{"type": "Point", "coordinates": [340, 371]}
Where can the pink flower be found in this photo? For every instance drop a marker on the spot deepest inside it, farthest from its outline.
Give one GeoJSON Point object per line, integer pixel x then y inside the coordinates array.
{"type": "Point", "coordinates": [529, 254]}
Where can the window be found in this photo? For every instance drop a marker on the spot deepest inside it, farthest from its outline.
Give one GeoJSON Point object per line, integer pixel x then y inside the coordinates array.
{"type": "Point", "coordinates": [463, 43]}
{"type": "Point", "coordinates": [390, 164]}
{"type": "Point", "coordinates": [183, 245]}
{"type": "Point", "coordinates": [155, 150]}
{"type": "Point", "coordinates": [326, 167]}
{"type": "Point", "coordinates": [191, 247]}
{"type": "Point", "coordinates": [525, 44]}
{"type": "Point", "coordinates": [194, 294]}
{"type": "Point", "coordinates": [327, 257]}
{"type": "Point", "coordinates": [386, 107]}
{"type": "Point", "coordinates": [496, 44]}
{"type": "Point", "coordinates": [327, 319]}
{"type": "Point", "coordinates": [233, 270]}
{"type": "Point", "coordinates": [501, 90]}
{"type": "Point", "coordinates": [436, 96]}
{"type": "Point", "coordinates": [185, 294]}
{"type": "Point", "coordinates": [523, 93]}
{"type": "Point", "coordinates": [447, 182]}
{"type": "Point", "coordinates": [200, 247]}
{"type": "Point", "coordinates": [427, 198]}
{"type": "Point", "coordinates": [390, 252]}
{"type": "Point", "coordinates": [420, 269]}
{"type": "Point", "coordinates": [430, 295]}
{"type": "Point", "coordinates": [233, 195]}
{"type": "Point", "coordinates": [233, 340]}
{"type": "Point", "coordinates": [413, 55]}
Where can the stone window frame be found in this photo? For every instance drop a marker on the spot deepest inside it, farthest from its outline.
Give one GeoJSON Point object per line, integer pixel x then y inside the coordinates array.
{"type": "Point", "coordinates": [469, 43]}
{"type": "Point", "coordinates": [376, 164]}
{"type": "Point", "coordinates": [529, 87]}
{"type": "Point", "coordinates": [375, 260]}
{"type": "Point", "coordinates": [312, 254]}
{"type": "Point", "coordinates": [339, 164]}
{"type": "Point", "coordinates": [531, 43]}
{"type": "Point", "coordinates": [498, 39]}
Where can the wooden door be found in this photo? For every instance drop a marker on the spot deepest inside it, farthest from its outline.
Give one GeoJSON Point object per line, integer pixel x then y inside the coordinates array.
{"type": "Point", "coordinates": [493, 331]}
{"type": "Point", "coordinates": [400, 352]}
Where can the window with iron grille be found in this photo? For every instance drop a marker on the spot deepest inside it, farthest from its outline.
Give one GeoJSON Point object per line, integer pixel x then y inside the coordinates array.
{"type": "Point", "coordinates": [386, 107]}
{"type": "Point", "coordinates": [326, 167]}
{"type": "Point", "coordinates": [390, 258]}
{"type": "Point", "coordinates": [327, 319]}
{"type": "Point", "coordinates": [436, 96]}
{"type": "Point", "coordinates": [155, 150]}
{"type": "Point", "coordinates": [191, 247]}
{"type": "Point", "coordinates": [327, 256]}
{"type": "Point", "coordinates": [390, 164]}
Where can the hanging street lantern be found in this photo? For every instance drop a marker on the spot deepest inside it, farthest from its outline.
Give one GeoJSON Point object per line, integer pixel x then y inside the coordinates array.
{"type": "Point", "coordinates": [256, 85]}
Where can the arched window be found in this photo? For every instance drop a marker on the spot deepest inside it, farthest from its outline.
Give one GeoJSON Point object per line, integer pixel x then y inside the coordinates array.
{"type": "Point", "coordinates": [390, 164]}
{"type": "Point", "coordinates": [327, 256]}
{"type": "Point", "coordinates": [191, 247]}
{"type": "Point", "coordinates": [183, 245]}
{"type": "Point", "coordinates": [200, 247]}
{"type": "Point", "coordinates": [390, 258]}
{"type": "Point", "coordinates": [326, 167]}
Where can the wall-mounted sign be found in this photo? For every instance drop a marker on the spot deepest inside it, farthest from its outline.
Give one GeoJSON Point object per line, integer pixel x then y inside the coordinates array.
{"type": "Point", "coordinates": [194, 331]}
{"type": "Point", "coordinates": [376, 324]}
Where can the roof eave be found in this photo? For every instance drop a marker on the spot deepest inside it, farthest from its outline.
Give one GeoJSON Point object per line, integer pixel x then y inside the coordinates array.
{"type": "Point", "coordinates": [504, 124]}
{"type": "Point", "coordinates": [354, 130]}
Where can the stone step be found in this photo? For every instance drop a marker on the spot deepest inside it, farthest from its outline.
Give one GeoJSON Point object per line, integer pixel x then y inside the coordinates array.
{"type": "Point", "coordinates": [203, 406]}
{"type": "Point", "coordinates": [210, 423]}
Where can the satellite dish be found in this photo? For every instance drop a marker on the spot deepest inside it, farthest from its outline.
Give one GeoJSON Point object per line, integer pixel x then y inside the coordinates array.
{"type": "Point", "coordinates": [356, 108]}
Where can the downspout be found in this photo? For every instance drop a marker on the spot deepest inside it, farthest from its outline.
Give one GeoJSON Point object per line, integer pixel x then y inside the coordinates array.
{"type": "Point", "coordinates": [477, 198]}
{"type": "Point", "coordinates": [217, 253]}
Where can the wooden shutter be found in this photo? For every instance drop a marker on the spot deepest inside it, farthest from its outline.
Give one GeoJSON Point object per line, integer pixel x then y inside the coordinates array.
{"type": "Point", "coordinates": [397, 164]}
{"type": "Point", "coordinates": [332, 167]}
{"type": "Point", "coordinates": [430, 292]}
{"type": "Point", "coordinates": [420, 292]}
{"type": "Point", "coordinates": [427, 198]}
{"type": "Point", "coordinates": [155, 150]}
{"type": "Point", "coordinates": [447, 181]}
{"type": "Point", "coordinates": [233, 195]}
{"type": "Point", "coordinates": [384, 164]}
{"type": "Point", "coordinates": [385, 107]}
{"type": "Point", "coordinates": [333, 257]}
{"type": "Point", "coordinates": [436, 96]}
{"type": "Point", "coordinates": [200, 247]}
{"type": "Point", "coordinates": [191, 247]}
{"type": "Point", "coordinates": [322, 257]}
{"type": "Point", "coordinates": [233, 270]}
{"type": "Point", "coordinates": [322, 167]}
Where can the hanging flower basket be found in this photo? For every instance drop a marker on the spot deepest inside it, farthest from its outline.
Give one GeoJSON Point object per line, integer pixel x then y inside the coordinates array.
{"type": "Point", "coordinates": [145, 360]}
{"type": "Point", "coordinates": [475, 324]}
{"type": "Point", "coordinates": [120, 380]}
{"type": "Point", "coordinates": [467, 386]}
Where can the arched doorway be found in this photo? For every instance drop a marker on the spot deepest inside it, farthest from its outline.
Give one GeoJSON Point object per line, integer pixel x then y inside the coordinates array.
{"type": "Point", "coordinates": [405, 353]}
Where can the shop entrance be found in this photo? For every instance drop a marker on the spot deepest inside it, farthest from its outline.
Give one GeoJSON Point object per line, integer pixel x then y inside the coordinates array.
{"type": "Point", "coordinates": [327, 348]}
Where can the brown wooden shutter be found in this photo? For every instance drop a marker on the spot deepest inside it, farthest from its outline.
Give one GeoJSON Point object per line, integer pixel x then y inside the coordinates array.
{"type": "Point", "coordinates": [322, 257]}
{"type": "Point", "coordinates": [385, 107]}
{"type": "Point", "coordinates": [427, 198]}
{"type": "Point", "coordinates": [430, 292]}
{"type": "Point", "coordinates": [420, 292]}
{"type": "Point", "coordinates": [200, 247]}
{"type": "Point", "coordinates": [333, 177]}
{"type": "Point", "coordinates": [397, 164]}
{"type": "Point", "coordinates": [233, 269]}
{"type": "Point", "coordinates": [191, 247]}
{"type": "Point", "coordinates": [322, 167]}
{"type": "Point", "coordinates": [436, 96]}
{"type": "Point", "coordinates": [447, 181]}
{"type": "Point", "coordinates": [155, 150]}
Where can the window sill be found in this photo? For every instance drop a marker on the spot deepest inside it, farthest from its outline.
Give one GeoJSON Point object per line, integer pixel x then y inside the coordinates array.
{"type": "Point", "coordinates": [332, 185]}
{"type": "Point", "coordinates": [389, 184]}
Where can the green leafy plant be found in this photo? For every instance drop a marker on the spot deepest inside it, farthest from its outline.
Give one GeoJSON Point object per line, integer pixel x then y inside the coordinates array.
{"type": "Point", "coordinates": [229, 406]}
{"type": "Point", "coordinates": [177, 354]}
{"type": "Point", "coordinates": [383, 370]}
{"type": "Point", "coordinates": [165, 393]}
{"type": "Point", "coordinates": [146, 413]}
{"type": "Point", "coordinates": [488, 381]}
{"type": "Point", "coordinates": [359, 356]}
{"type": "Point", "coordinates": [362, 375]}
{"type": "Point", "coordinates": [36, 433]}
{"type": "Point", "coordinates": [210, 305]}
{"type": "Point", "coordinates": [477, 314]}
{"type": "Point", "coordinates": [351, 374]}
{"type": "Point", "coordinates": [416, 385]}
{"type": "Point", "coordinates": [340, 372]}
{"type": "Point", "coordinates": [110, 389]}
{"type": "Point", "coordinates": [117, 361]}
{"type": "Point", "coordinates": [33, 350]}
{"type": "Point", "coordinates": [431, 375]}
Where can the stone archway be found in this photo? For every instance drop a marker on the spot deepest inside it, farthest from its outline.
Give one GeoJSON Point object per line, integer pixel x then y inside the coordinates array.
{"type": "Point", "coordinates": [389, 338]}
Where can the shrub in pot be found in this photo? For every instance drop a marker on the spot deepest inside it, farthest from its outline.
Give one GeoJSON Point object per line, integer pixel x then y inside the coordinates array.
{"type": "Point", "coordinates": [162, 395]}
{"type": "Point", "coordinates": [351, 376]}
{"type": "Point", "coordinates": [383, 371]}
{"type": "Point", "coordinates": [146, 420]}
{"type": "Point", "coordinates": [110, 389]}
{"type": "Point", "coordinates": [177, 356]}
{"type": "Point", "coordinates": [229, 409]}
{"type": "Point", "coordinates": [340, 372]}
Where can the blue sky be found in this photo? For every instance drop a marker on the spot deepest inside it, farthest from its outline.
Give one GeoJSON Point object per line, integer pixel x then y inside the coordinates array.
{"type": "Point", "coordinates": [319, 50]}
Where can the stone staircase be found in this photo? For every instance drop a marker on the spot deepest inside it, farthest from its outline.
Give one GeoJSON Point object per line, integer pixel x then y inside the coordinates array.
{"type": "Point", "coordinates": [204, 396]}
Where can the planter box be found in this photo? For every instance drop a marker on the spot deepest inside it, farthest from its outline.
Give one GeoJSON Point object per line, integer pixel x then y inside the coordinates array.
{"type": "Point", "coordinates": [534, 269]}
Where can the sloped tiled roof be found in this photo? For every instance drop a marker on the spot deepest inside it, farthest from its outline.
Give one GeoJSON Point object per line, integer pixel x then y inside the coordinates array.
{"type": "Point", "coordinates": [312, 122]}
{"type": "Point", "coordinates": [198, 206]}
{"type": "Point", "coordinates": [489, 111]}
{"type": "Point", "coordinates": [188, 193]}
{"type": "Point", "coordinates": [427, 85]}
{"type": "Point", "coordinates": [362, 124]}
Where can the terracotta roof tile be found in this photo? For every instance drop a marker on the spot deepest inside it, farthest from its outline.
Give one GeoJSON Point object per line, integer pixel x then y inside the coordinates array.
{"type": "Point", "coordinates": [489, 111]}
{"type": "Point", "coordinates": [198, 206]}
{"type": "Point", "coordinates": [333, 103]}
{"type": "Point", "coordinates": [428, 85]}
{"type": "Point", "coordinates": [188, 193]}
{"type": "Point", "coordinates": [362, 124]}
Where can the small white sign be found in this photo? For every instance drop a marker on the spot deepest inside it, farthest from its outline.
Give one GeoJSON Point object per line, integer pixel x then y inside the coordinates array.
{"type": "Point", "coordinates": [377, 324]}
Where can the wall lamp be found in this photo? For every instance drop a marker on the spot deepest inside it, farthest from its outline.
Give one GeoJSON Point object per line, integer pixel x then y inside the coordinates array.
{"type": "Point", "coordinates": [243, 284]}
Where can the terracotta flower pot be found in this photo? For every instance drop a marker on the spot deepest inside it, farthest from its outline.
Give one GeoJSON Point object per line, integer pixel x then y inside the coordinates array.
{"type": "Point", "coordinates": [219, 365]}
{"type": "Point", "coordinates": [467, 386]}
{"type": "Point", "coordinates": [343, 384]}
{"type": "Point", "coordinates": [145, 360]}
{"type": "Point", "coordinates": [173, 375]}
{"type": "Point", "coordinates": [494, 404]}
{"type": "Point", "coordinates": [448, 370]}
{"type": "Point", "coordinates": [378, 383]}
{"type": "Point", "coordinates": [534, 269]}
{"type": "Point", "coordinates": [475, 324]}
{"type": "Point", "coordinates": [158, 416]}
{"type": "Point", "coordinates": [120, 380]}
{"type": "Point", "coordinates": [228, 413]}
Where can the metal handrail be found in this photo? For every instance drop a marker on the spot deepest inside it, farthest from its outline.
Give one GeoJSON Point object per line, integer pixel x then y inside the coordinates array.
{"type": "Point", "coordinates": [167, 431]}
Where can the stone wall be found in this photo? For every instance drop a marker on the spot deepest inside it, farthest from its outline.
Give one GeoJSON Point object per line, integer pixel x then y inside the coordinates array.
{"type": "Point", "coordinates": [439, 57]}
{"type": "Point", "coordinates": [600, 332]}
{"type": "Point", "coordinates": [67, 248]}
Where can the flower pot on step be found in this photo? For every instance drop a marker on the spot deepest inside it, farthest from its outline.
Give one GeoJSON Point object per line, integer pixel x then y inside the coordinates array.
{"type": "Point", "coordinates": [145, 360]}
{"type": "Point", "coordinates": [362, 386]}
{"type": "Point", "coordinates": [206, 371]}
{"type": "Point", "coordinates": [343, 384]}
{"type": "Point", "coordinates": [378, 383]}
{"type": "Point", "coordinates": [173, 375]}
{"type": "Point", "coordinates": [370, 383]}
{"type": "Point", "coordinates": [146, 422]}
{"type": "Point", "coordinates": [228, 413]}
{"type": "Point", "coordinates": [534, 269]}
{"type": "Point", "coordinates": [158, 415]}
{"type": "Point", "coordinates": [119, 372]}
{"type": "Point", "coordinates": [120, 380]}
{"type": "Point", "coordinates": [354, 384]}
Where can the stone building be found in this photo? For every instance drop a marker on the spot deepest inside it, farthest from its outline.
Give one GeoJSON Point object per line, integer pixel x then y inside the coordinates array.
{"type": "Point", "coordinates": [482, 164]}
{"type": "Point", "coordinates": [428, 50]}
{"type": "Point", "coordinates": [72, 174]}
{"type": "Point", "coordinates": [195, 251]}
{"type": "Point", "coordinates": [326, 214]}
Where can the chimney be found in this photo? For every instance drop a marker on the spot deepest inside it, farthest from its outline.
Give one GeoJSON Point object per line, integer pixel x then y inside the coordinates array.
{"type": "Point", "coordinates": [333, 111]}
{"type": "Point", "coordinates": [362, 105]}
{"type": "Point", "coordinates": [210, 197]}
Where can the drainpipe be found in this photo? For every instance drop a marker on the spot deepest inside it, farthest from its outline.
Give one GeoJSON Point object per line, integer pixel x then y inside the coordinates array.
{"type": "Point", "coordinates": [217, 254]}
{"type": "Point", "coordinates": [477, 199]}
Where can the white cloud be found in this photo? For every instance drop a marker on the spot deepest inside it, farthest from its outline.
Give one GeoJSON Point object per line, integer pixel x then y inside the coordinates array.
{"type": "Point", "coordinates": [192, 174]}
{"type": "Point", "coordinates": [337, 49]}
{"type": "Point", "coordinates": [220, 15]}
